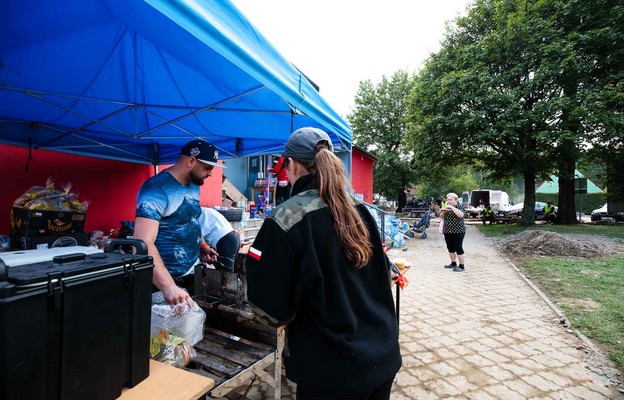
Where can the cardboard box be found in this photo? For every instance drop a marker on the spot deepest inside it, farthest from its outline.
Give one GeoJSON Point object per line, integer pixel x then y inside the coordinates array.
{"type": "Point", "coordinates": [30, 223]}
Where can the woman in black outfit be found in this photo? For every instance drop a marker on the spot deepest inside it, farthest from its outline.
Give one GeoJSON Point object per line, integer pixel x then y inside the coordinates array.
{"type": "Point", "coordinates": [318, 265]}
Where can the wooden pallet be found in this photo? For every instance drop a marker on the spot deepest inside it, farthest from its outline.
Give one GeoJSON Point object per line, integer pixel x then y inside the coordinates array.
{"type": "Point", "coordinates": [231, 362]}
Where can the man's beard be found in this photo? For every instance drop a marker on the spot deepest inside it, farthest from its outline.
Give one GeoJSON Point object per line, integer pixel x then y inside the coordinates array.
{"type": "Point", "coordinates": [196, 179]}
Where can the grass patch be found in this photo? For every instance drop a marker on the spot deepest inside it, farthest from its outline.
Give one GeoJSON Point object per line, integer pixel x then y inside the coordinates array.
{"type": "Point", "coordinates": [590, 293]}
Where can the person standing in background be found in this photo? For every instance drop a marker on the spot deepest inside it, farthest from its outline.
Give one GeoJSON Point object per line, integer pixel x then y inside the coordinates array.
{"type": "Point", "coordinates": [318, 266]}
{"type": "Point", "coordinates": [282, 192]}
{"type": "Point", "coordinates": [218, 232]}
{"type": "Point", "coordinates": [454, 231]}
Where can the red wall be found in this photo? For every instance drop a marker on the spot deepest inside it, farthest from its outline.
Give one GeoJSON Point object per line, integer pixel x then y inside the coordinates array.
{"type": "Point", "coordinates": [110, 186]}
{"type": "Point", "coordinates": [362, 175]}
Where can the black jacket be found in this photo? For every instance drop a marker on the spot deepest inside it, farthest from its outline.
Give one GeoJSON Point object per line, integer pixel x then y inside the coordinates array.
{"type": "Point", "coordinates": [342, 332]}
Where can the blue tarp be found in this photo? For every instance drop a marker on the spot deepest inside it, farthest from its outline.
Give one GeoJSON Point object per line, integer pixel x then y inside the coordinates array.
{"type": "Point", "coordinates": [133, 80]}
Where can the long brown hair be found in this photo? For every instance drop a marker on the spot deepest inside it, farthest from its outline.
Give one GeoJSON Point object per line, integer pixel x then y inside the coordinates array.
{"type": "Point", "coordinates": [329, 177]}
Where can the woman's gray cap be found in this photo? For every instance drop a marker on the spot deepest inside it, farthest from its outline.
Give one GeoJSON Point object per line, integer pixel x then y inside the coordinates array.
{"type": "Point", "coordinates": [301, 145]}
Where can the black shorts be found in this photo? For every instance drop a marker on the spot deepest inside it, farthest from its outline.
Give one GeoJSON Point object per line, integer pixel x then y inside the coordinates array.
{"type": "Point", "coordinates": [454, 242]}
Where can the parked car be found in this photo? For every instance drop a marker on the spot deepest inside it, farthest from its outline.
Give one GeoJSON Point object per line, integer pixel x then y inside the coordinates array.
{"type": "Point", "coordinates": [539, 210]}
{"type": "Point", "coordinates": [602, 213]}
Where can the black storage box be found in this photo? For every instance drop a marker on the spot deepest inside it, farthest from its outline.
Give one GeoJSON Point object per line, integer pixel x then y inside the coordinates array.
{"type": "Point", "coordinates": [25, 222]}
{"type": "Point", "coordinates": [77, 327]}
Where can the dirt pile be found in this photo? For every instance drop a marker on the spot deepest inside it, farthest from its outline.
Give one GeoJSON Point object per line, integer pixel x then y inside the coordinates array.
{"type": "Point", "coordinates": [551, 244]}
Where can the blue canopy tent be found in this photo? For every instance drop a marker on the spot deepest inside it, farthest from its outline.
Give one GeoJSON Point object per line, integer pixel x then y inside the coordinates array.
{"type": "Point", "coordinates": [133, 80]}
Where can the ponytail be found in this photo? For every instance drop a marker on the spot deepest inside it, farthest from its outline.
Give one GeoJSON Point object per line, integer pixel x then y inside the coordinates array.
{"type": "Point", "coordinates": [352, 232]}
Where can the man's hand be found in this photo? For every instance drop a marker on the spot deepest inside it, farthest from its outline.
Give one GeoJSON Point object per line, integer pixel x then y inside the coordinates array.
{"type": "Point", "coordinates": [175, 295]}
{"type": "Point", "coordinates": [208, 254]}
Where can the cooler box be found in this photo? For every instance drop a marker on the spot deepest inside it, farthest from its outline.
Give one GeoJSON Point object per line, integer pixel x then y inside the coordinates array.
{"type": "Point", "coordinates": [76, 327]}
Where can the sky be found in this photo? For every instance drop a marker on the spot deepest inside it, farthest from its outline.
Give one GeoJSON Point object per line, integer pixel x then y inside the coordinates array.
{"type": "Point", "coordinates": [339, 43]}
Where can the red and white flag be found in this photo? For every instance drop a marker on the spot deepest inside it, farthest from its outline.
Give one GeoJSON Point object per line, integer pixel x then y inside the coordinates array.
{"type": "Point", "coordinates": [254, 253]}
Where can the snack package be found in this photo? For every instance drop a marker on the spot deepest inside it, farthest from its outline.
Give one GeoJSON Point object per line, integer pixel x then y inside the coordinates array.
{"type": "Point", "coordinates": [46, 198]}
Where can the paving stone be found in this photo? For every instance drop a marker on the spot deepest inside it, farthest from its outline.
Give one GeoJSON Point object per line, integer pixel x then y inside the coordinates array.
{"type": "Point", "coordinates": [444, 389]}
{"type": "Point", "coordinates": [443, 368]}
{"type": "Point", "coordinates": [558, 380]}
{"type": "Point", "coordinates": [405, 378]}
{"type": "Point", "coordinates": [503, 392]}
{"type": "Point", "coordinates": [497, 373]}
{"type": "Point", "coordinates": [419, 393]}
{"type": "Point", "coordinates": [516, 369]}
{"type": "Point", "coordinates": [495, 357]}
{"type": "Point", "coordinates": [547, 361]}
{"type": "Point", "coordinates": [539, 382]}
{"type": "Point", "coordinates": [479, 361]}
{"type": "Point", "coordinates": [582, 392]}
{"type": "Point", "coordinates": [510, 352]}
{"type": "Point", "coordinates": [523, 388]}
{"type": "Point", "coordinates": [480, 395]}
{"type": "Point", "coordinates": [461, 383]}
{"type": "Point", "coordinates": [531, 364]}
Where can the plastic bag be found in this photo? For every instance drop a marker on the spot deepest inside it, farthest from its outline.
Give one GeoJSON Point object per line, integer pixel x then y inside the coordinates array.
{"type": "Point", "coordinates": [185, 320]}
{"type": "Point", "coordinates": [170, 349]}
{"type": "Point", "coordinates": [441, 227]}
{"type": "Point", "coordinates": [46, 198]}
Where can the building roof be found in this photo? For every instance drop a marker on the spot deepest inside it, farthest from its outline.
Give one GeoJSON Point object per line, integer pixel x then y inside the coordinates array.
{"type": "Point", "coordinates": [552, 185]}
{"type": "Point", "coordinates": [366, 153]}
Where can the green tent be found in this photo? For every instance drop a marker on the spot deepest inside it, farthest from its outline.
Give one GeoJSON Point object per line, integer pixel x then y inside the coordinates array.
{"type": "Point", "coordinates": [551, 185]}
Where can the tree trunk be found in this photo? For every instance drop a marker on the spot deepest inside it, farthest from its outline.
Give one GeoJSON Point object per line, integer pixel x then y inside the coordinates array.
{"type": "Point", "coordinates": [402, 199]}
{"type": "Point", "coordinates": [566, 213]}
{"type": "Point", "coordinates": [528, 210]}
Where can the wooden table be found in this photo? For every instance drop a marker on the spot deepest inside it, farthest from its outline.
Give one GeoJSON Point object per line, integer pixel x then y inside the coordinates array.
{"type": "Point", "coordinates": [167, 382]}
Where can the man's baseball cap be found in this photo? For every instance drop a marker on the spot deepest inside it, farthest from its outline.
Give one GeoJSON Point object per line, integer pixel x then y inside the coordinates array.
{"type": "Point", "coordinates": [202, 151]}
{"type": "Point", "coordinates": [301, 145]}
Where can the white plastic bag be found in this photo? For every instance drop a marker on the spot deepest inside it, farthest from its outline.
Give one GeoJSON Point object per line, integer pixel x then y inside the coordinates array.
{"type": "Point", "coordinates": [185, 320]}
{"type": "Point", "coordinates": [441, 227]}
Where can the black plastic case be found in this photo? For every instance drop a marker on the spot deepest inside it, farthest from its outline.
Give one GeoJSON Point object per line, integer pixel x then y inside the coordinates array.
{"type": "Point", "coordinates": [76, 327]}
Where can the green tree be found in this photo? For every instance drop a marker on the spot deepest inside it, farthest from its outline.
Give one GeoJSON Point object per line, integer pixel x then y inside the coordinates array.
{"type": "Point", "coordinates": [483, 100]}
{"type": "Point", "coordinates": [379, 126]}
{"type": "Point", "coordinates": [596, 30]}
{"type": "Point", "coordinates": [508, 88]}
{"type": "Point", "coordinates": [590, 39]}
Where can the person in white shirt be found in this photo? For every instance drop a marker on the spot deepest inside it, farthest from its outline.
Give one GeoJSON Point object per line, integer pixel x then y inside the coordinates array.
{"type": "Point", "coordinates": [220, 235]}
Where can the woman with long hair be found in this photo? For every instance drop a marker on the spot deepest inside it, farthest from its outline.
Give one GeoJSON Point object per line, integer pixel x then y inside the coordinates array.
{"type": "Point", "coordinates": [318, 266]}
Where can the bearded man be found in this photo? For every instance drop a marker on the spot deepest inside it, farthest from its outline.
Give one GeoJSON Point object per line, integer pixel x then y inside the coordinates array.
{"type": "Point", "coordinates": [167, 220]}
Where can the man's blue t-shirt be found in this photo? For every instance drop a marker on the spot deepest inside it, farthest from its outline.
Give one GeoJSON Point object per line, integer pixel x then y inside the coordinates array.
{"type": "Point", "coordinates": [176, 207]}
